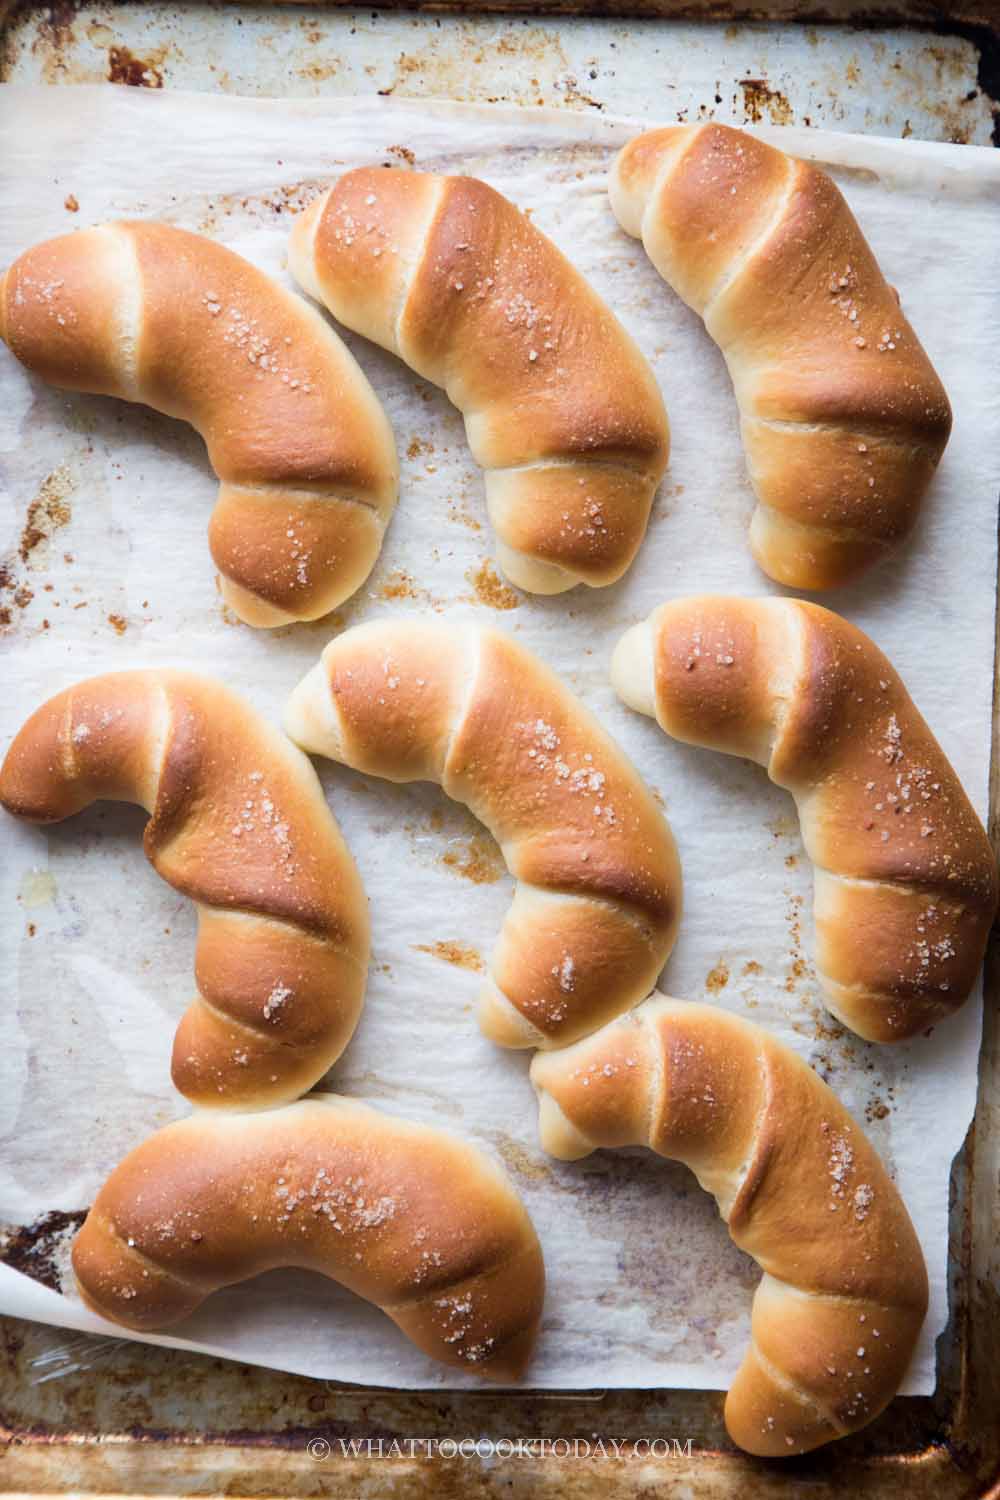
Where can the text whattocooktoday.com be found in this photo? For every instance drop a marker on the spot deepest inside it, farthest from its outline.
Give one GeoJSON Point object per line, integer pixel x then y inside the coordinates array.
{"type": "Point", "coordinates": [321, 1448]}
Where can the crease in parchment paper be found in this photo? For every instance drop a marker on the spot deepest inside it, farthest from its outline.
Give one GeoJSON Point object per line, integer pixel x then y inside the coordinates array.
{"type": "Point", "coordinates": [102, 525]}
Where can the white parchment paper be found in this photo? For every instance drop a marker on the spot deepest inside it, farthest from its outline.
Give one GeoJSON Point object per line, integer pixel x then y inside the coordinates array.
{"type": "Point", "coordinates": [102, 522]}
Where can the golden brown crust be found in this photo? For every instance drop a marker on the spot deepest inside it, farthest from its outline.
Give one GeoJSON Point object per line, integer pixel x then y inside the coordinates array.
{"type": "Point", "coordinates": [906, 879]}
{"type": "Point", "coordinates": [408, 1217]}
{"type": "Point", "coordinates": [240, 825]}
{"type": "Point", "coordinates": [596, 908]}
{"type": "Point", "coordinates": [357, 245]}
{"type": "Point", "coordinates": [561, 408]}
{"type": "Point", "coordinates": [844, 1295]}
{"type": "Point", "coordinates": [279, 549]}
{"type": "Point", "coordinates": [301, 446]}
{"type": "Point", "coordinates": [843, 417]}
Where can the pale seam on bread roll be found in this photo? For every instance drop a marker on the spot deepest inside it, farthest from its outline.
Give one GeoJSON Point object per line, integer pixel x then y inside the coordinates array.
{"type": "Point", "coordinates": [240, 825]}
{"type": "Point", "coordinates": [597, 898]}
{"type": "Point", "coordinates": [126, 312]}
{"type": "Point", "coordinates": [905, 877]}
{"type": "Point", "coordinates": [844, 1292]}
{"type": "Point", "coordinates": [561, 408]}
{"type": "Point", "coordinates": [301, 446]}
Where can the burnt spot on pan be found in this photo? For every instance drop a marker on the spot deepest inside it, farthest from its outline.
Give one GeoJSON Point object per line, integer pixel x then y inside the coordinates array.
{"type": "Point", "coordinates": [761, 102]}
{"type": "Point", "coordinates": [39, 1249]}
{"type": "Point", "coordinates": [134, 72]}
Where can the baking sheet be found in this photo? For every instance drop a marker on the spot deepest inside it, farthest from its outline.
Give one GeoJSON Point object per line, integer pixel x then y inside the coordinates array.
{"type": "Point", "coordinates": [105, 509]}
{"type": "Point", "coordinates": [881, 80]}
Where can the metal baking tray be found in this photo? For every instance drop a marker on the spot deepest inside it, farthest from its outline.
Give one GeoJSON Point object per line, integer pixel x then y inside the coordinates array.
{"type": "Point", "coordinates": [91, 1416]}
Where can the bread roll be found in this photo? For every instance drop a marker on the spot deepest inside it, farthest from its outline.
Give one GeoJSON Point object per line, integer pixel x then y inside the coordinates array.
{"type": "Point", "coordinates": [905, 878]}
{"type": "Point", "coordinates": [302, 448]}
{"type": "Point", "coordinates": [406, 1216]}
{"type": "Point", "coordinates": [561, 409]}
{"type": "Point", "coordinates": [842, 415]}
{"type": "Point", "coordinates": [844, 1293]}
{"type": "Point", "coordinates": [239, 823]}
{"type": "Point", "coordinates": [598, 883]}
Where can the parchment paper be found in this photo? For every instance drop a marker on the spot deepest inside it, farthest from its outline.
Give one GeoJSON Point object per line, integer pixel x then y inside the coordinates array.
{"type": "Point", "coordinates": [103, 521]}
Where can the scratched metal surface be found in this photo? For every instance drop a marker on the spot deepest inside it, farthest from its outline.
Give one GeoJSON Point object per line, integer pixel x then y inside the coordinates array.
{"type": "Point", "coordinates": [889, 81]}
{"type": "Point", "coordinates": [95, 1416]}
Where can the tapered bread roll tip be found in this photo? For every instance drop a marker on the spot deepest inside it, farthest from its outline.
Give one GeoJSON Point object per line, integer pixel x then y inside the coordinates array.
{"type": "Point", "coordinates": [310, 718]}
{"type": "Point", "coordinates": [842, 415]}
{"type": "Point", "coordinates": [632, 671]}
{"type": "Point", "coordinates": [561, 409]}
{"type": "Point", "coordinates": [905, 878]}
{"type": "Point", "coordinates": [557, 1133]}
{"type": "Point", "coordinates": [409, 1217]}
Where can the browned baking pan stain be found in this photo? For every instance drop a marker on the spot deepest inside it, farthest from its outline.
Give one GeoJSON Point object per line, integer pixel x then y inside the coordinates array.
{"type": "Point", "coordinates": [123, 67]}
{"type": "Point", "coordinates": [457, 954]}
{"type": "Point", "coordinates": [761, 102]}
{"type": "Point", "coordinates": [48, 511]}
{"type": "Point", "coordinates": [476, 858]}
{"type": "Point", "coordinates": [490, 587]}
{"type": "Point", "coordinates": [34, 1248]}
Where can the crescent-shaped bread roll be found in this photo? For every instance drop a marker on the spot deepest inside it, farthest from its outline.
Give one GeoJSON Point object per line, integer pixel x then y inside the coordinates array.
{"type": "Point", "coordinates": [905, 878]}
{"type": "Point", "coordinates": [408, 1217]}
{"type": "Point", "coordinates": [239, 823]}
{"type": "Point", "coordinates": [561, 409]}
{"type": "Point", "coordinates": [844, 1294]}
{"type": "Point", "coordinates": [597, 899]}
{"type": "Point", "coordinates": [842, 415]}
{"type": "Point", "coordinates": [303, 451]}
